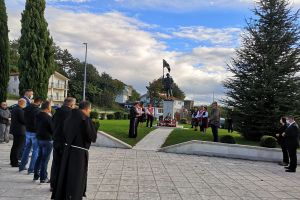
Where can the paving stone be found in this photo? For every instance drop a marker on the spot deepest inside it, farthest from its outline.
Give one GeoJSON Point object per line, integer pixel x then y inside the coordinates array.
{"type": "Point", "coordinates": [128, 196]}
{"type": "Point", "coordinates": [106, 195]}
{"type": "Point", "coordinates": [149, 196]}
{"type": "Point", "coordinates": [137, 174]}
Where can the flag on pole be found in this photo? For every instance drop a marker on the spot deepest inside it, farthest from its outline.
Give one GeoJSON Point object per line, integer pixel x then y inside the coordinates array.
{"type": "Point", "coordinates": [166, 65]}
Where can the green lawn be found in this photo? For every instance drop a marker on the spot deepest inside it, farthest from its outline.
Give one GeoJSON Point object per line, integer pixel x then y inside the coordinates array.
{"type": "Point", "coordinates": [119, 129]}
{"type": "Point", "coordinates": [183, 135]}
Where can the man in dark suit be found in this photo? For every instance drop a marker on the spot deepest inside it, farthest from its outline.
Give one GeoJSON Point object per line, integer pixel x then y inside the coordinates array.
{"type": "Point", "coordinates": [291, 135]}
{"type": "Point", "coordinates": [17, 129]}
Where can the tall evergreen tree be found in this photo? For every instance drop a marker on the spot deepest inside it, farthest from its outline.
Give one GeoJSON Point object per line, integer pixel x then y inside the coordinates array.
{"type": "Point", "coordinates": [36, 63]}
{"type": "Point", "coordinates": [4, 52]}
{"type": "Point", "coordinates": [264, 85]}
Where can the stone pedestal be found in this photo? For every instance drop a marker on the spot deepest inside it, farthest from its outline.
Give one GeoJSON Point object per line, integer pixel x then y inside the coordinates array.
{"type": "Point", "coordinates": [172, 107]}
{"type": "Point", "coordinates": [169, 108]}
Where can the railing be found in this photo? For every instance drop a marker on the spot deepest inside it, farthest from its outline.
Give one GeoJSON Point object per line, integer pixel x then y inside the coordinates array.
{"type": "Point", "coordinates": [56, 98]}
{"type": "Point", "coordinates": [57, 86]}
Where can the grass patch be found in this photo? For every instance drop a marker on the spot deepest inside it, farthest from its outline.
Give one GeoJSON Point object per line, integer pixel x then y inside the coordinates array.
{"type": "Point", "coordinates": [119, 129]}
{"type": "Point", "coordinates": [184, 135]}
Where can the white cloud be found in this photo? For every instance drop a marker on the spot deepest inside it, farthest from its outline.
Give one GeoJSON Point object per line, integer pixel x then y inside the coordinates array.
{"type": "Point", "coordinates": [224, 36]}
{"type": "Point", "coordinates": [118, 45]}
{"type": "Point", "coordinates": [181, 6]}
{"type": "Point", "coordinates": [76, 1]}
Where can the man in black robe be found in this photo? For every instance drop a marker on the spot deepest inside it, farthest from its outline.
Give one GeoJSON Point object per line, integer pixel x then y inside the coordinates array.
{"type": "Point", "coordinates": [133, 120]}
{"type": "Point", "coordinates": [291, 136]}
{"type": "Point", "coordinates": [59, 140]}
{"type": "Point", "coordinates": [79, 132]}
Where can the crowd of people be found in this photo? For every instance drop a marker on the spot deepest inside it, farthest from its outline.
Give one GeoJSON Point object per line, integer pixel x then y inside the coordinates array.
{"type": "Point", "coordinates": [138, 115]}
{"type": "Point", "coordinates": [201, 119]}
{"type": "Point", "coordinates": [68, 133]}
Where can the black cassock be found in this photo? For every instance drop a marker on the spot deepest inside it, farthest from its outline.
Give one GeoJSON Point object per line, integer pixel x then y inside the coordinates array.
{"type": "Point", "coordinates": [133, 122]}
{"type": "Point", "coordinates": [79, 132]}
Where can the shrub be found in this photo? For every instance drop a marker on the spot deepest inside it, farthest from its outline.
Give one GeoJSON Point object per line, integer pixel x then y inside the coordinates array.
{"type": "Point", "coordinates": [118, 115]}
{"type": "Point", "coordinates": [268, 141]}
{"type": "Point", "coordinates": [183, 121]}
{"type": "Point", "coordinates": [94, 115]}
{"type": "Point", "coordinates": [125, 116]}
{"type": "Point", "coordinates": [228, 139]}
{"type": "Point", "coordinates": [96, 123]}
{"type": "Point", "coordinates": [102, 116]}
{"type": "Point", "coordinates": [110, 116]}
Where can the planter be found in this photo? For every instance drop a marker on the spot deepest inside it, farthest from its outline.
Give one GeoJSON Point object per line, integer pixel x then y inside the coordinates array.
{"type": "Point", "coordinates": [205, 148]}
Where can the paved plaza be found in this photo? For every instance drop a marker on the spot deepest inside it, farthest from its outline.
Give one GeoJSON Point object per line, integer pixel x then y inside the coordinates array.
{"type": "Point", "coordinates": [136, 174]}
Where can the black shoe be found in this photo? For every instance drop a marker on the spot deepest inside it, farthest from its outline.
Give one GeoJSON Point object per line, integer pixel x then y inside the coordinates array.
{"type": "Point", "coordinates": [45, 181]}
{"type": "Point", "coordinates": [35, 178]}
{"type": "Point", "coordinates": [287, 167]}
{"type": "Point", "coordinates": [283, 164]}
{"type": "Point", "coordinates": [290, 170]}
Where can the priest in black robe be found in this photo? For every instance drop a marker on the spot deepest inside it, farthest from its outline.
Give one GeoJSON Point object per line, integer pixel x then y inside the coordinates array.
{"type": "Point", "coordinates": [59, 140]}
{"type": "Point", "coordinates": [133, 120]}
{"type": "Point", "coordinates": [79, 133]}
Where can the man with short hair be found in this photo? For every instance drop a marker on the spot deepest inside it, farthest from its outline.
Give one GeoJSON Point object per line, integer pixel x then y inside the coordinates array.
{"type": "Point", "coordinates": [58, 139]}
{"type": "Point", "coordinates": [79, 132]}
{"type": "Point", "coordinates": [214, 121]}
{"type": "Point", "coordinates": [291, 136]}
{"type": "Point", "coordinates": [133, 115]}
{"type": "Point", "coordinates": [44, 132]}
{"type": "Point", "coordinates": [31, 141]}
{"type": "Point", "coordinates": [17, 129]}
{"type": "Point", "coordinates": [150, 115]}
{"type": "Point", "coordinates": [28, 96]}
{"type": "Point", "coordinates": [4, 122]}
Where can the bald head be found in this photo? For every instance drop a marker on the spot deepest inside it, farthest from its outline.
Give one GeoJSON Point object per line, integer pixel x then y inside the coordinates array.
{"type": "Point", "coordinates": [22, 103]}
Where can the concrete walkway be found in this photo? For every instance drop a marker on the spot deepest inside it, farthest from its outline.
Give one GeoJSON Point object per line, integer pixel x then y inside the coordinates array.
{"type": "Point", "coordinates": [154, 140]}
{"type": "Point", "coordinates": [126, 174]}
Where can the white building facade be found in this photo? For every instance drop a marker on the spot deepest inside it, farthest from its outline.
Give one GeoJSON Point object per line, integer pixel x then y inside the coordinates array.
{"type": "Point", "coordinates": [124, 96]}
{"type": "Point", "coordinates": [57, 89]}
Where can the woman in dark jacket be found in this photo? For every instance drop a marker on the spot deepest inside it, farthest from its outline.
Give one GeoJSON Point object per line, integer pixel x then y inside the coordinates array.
{"type": "Point", "coordinates": [281, 142]}
{"type": "Point", "coordinates": [17, 129]}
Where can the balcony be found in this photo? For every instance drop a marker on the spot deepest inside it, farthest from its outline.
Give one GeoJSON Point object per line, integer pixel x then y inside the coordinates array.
{"type": "Point", "coordinates": [56, 98]}
{"type": "Point", "coordinates": [57, 86]}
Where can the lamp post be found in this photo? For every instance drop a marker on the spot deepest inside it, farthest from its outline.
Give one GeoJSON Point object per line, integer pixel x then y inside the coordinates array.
{"type": "Point", "coordinates": [84, 79]}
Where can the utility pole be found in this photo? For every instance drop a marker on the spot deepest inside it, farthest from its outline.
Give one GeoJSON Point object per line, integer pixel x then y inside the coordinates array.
{"type": "Point", "coordinates": [84, 79]}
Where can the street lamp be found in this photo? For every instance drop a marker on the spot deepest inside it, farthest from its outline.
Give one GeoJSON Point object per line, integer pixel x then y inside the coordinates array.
{"type": "Point", "coordinates": [84, 79]}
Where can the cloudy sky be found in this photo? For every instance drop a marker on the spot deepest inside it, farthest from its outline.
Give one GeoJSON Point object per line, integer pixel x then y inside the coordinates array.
{"type": "Point", "coordinates": [129, 38]}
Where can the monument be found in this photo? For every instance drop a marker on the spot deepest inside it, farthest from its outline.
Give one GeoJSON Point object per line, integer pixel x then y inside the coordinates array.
{"type": "Point", "coordinates": [171, 106]}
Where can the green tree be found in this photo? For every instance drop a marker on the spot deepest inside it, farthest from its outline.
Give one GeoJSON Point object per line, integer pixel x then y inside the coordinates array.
{"type": "Point", "coordinates": [135, 96]}
{"type": "Point", "coordinates": [4, 52]}
{"type": "Point", "coordinates": [264, 85]}
{"type": "Point", "coordinates": [36, 63]}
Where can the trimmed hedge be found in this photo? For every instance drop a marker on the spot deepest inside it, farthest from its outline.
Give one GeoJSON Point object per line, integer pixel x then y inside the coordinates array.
{"type": "Point", "coordinates": [96, 123]}
{"type": "Point", "coordinates": [94, 115]}
{"type": "Point", "coordinates": [118, 115]}
{"type": "Point", "coordinates": [228, 139]}
{"type": "Point", "coordinates": [268, 141]}
{"type": "Point", "coordinates": [110, 116]}
{"type": "Point", "coordinates": [183, 121]}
